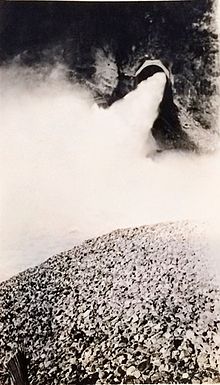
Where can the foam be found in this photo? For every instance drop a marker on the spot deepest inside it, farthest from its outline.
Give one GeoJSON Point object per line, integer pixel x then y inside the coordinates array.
{"type": "Point", "coordinates": [71, 170]}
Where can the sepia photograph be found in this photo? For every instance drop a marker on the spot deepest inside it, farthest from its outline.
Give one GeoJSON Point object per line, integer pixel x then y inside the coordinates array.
{"type": "Point", "coordinates": [109, 192]}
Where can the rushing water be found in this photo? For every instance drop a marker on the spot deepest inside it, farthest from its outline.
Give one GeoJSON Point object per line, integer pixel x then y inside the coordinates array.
{"type": "Point", "coordinates": [71, 170]}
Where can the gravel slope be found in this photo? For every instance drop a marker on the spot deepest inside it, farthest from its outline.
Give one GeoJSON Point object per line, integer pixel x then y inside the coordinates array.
{"type": "Point", "coordinates": [133, 306]}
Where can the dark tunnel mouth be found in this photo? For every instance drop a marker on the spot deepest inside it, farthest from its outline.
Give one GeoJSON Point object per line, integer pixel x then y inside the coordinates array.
{"type": "Point", "coordinates": [150, 67]}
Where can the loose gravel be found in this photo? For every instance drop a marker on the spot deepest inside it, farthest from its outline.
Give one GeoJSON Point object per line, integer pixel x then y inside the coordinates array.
{"type": "Point", "coordinates": [134, 306]}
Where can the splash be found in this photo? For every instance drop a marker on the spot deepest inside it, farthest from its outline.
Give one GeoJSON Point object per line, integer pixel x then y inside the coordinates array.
{"type": "Point", "coordinates": [71, 170]}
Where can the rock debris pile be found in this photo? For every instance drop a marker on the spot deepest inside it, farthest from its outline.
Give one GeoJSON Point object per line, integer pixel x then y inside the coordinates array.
{"type": "Point", "coordinates": [133, 306]}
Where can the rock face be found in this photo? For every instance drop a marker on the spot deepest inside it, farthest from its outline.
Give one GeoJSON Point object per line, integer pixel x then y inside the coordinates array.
{"type": "Point", "coordinates": [134, 306]}
{"type": "Point", "coordinates": [101, 46]}
{"type": "Point", "coordinates": [71, 32]}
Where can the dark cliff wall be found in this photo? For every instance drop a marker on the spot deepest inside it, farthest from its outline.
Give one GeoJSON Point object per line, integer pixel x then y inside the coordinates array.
{"type": "Point", "coordinates": [181, 33]}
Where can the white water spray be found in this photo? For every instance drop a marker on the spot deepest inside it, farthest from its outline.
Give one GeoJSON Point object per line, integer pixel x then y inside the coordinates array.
{"type": "Point", "coordinates": [71, 170]}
